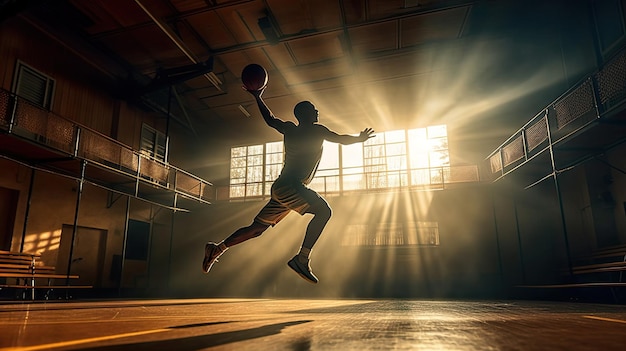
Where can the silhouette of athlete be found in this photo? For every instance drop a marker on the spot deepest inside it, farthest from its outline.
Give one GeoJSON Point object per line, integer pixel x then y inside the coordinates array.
{"type": "Point", "coordinates": [303, 151]}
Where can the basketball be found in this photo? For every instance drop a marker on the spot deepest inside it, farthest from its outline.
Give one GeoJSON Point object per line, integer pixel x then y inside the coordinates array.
{"type": "Point", "coordinates": [254, 77]}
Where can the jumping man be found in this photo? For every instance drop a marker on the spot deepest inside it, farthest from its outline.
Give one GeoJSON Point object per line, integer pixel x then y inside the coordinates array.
{"type": "Point", "coordinates": [303, 151]}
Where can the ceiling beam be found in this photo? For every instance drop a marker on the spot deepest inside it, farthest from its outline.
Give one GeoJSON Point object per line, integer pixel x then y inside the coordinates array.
{"type": "Point", "coordinates": [211, 77]}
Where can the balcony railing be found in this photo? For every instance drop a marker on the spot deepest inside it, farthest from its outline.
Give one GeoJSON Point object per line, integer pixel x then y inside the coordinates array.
{"type": "Point", "coordinates": [22, 119]}
{"type": "Point", "coordinates": [595, 100]}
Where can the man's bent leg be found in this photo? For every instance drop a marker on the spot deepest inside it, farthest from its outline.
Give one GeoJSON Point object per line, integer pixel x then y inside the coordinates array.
{"type": "Point", "coordinates": [321, 216]}
{"type": "Point", "coordinates": [212, 251]}
{"type": "Point", "coordinates": [300, 263]}
{"type": "Point", "coordinates": [272, 213]}
{"type": "Point", "coordinates": [246, 233]}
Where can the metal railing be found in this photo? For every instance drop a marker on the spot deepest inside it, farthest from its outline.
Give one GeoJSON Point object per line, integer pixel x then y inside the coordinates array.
{"type": "Point", "coordinates": [21, 118]}
{"type": "Point", "coordinates": [585, 103]}
{"type": "Point", "coordinates": [433, 178]}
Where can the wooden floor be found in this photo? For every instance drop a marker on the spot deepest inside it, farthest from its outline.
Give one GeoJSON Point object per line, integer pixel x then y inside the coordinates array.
{"type": "Point", "coordinates": [243, 324]}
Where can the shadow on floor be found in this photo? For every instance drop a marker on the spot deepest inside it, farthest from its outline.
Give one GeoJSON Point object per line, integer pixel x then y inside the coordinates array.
{"type": "Point", "coordinates": [202, 341]}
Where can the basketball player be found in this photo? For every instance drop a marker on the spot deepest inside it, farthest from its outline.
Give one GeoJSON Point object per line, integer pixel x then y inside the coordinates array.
{"type": "Point", "coordinates": [303, 150]}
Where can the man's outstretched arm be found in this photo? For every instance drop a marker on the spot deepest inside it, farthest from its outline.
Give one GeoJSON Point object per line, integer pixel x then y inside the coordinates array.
{"type": "Point", "coordinates": [346, 139]}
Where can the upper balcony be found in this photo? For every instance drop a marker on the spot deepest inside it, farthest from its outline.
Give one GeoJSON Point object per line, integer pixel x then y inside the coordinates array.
{"type": "Point", "coordinates": [45, 141]}
{"type": "Point", "coordinates": [583, 123]}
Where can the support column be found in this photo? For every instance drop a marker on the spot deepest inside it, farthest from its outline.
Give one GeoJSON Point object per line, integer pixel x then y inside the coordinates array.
{"type": "Point", "coordinates": [79, 193]}
{"type": "Point", "coordinates": [124, 245]}
{"type": "Point", "coordinates": [28, 203]}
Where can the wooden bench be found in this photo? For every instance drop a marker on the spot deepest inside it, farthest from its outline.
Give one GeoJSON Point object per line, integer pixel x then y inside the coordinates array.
{"type": "Point", "coordinates": [611, 259]}
{"type": "Point", "coordinates": [27, 272]}
{"type": "Point", "coordinates": [600, 270]}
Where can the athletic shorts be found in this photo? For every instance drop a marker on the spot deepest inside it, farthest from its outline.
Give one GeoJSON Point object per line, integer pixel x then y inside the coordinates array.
{"type": "Point", "coordinates": [286, 197]}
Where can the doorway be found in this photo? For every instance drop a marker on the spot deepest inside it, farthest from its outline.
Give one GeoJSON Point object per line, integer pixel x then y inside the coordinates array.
{"type": "Point", "coordinates": [87, 257]}
{"type": "Point", "coordinates": [8, 208]}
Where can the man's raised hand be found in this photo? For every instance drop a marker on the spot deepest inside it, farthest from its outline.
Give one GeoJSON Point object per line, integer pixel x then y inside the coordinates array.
{"type": "Point", "coordinates": [366, 134]}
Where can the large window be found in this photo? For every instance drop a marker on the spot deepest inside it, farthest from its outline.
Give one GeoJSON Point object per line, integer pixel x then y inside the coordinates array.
{"type": "Point", "coordinates": [393, 159]}
{"type": "Point", "coordinates": [253, 169]}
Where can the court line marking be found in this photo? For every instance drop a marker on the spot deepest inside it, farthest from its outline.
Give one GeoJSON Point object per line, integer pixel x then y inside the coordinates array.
{"type": "Point", "coordinates": [82, 341]}
{"type": "Point", "coordinates": [93, 321]}
{"type": "Point", "coordinates": [606, 319]}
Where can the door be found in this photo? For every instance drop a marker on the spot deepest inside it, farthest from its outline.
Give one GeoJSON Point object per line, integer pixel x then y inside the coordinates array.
{"type": "Point", "coordinates": [87, 256]}
{"type": "Point", "coordinates": [8, 207]}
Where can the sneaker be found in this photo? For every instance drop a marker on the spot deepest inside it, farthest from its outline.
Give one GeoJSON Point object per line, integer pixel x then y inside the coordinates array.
{"type": "Point", "coordinates": [211, 252]}
{"type": "Point", "coordinates": [303, 269]}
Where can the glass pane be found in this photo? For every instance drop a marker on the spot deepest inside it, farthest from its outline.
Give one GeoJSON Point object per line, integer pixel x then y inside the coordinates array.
{"type": "Point", "coordinates": [353, 182]}
{"type": "Point", "coordinates": [352, 155]}
{"type": "Point", "coordinates": [276, 158]}
{"type": "Point", "coordinates": [318, 184]}
{"type": "Point", "coordinates": [396, 149]}
{"type": "Point", "coordinates": [394, 136]}
{"type": "Point", "coordinates": [276, 146]}
{"type": "Point", "coordinates": [396, 179]}
{"type": "Point", "coordinates": [255, 150]}
{"type": "Point", "coordinates": [268, 189]}
{"type": "Point", "coordinates": [353, 170]}
{"type": "Point", "coordinates": [334, 186]}
{"type": "Point", "coordinates": [379, 138]}
{"type": "Point", "coordinates": [255, 174]}
{"type": "Point", "coordinates": [327, 173]}
{"type": "Point", "coordinates": [436, 176]}
{"type": "Point", "coordinates": [419, 160]}
{"type": "Point", "coordinates": [254, 189]}
{"type": "Point", "coordinates": [438, 143]}
{"type": "Point", "coordinates": [420, 177]}
{"type": "Point", "coordinates": [418, 142]}
{"type": "Point", "coordinates": [237, 180]}
{"type": "Point", "coordinates": [376, 169]}
{"type": "Point", "coordinates": [238, 162]}
{"type": "Point", "coordinates": [237, 191]}
{"type": "Point", "coordinates": [255, 160]}
{"type": "Point", "coordinates": [375, 161]}
{"type": "Point", "coordinates": [330, 156]}
{"type": "Point", "coordinates": [374, 151]}
{"type": "Point", "coordinates": [416, 134]}
{"type": "Point", "coordinates": [437, 131]}
{"type": "Point", "coordinates": [396, 163]}
{"type": "Point", "coordinates": [446, 174]}
{"type": "Point", "coordinates": [238, 152]}
{"type": "Point", "coordinates": [376, 180]}
{"type": "Point", "coordinates": [325, 183]}
{"type": "Point", "coordinates": [439, 158]}
{"type": "Point", "coordinates": [272, 172]}
{"type": "Point", "coordinates": [238, 173]}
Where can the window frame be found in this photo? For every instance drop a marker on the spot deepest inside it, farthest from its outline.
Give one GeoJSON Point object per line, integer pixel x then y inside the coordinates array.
{"type": "Point", "coordinates": [250, 182]}
{"type": "Point", "coordinates": [333, 177]}
{"type": "Point", "coordinates": [158, 141]}
{"type": "Point", "coordinates": [21, 68]}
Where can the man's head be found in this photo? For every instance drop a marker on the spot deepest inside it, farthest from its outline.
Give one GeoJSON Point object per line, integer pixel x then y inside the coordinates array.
{"type": "Point", "coordinates": [305, 112]}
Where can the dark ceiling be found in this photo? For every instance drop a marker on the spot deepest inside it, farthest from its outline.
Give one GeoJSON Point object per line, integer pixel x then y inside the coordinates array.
{"type": "Point", "coordinates": [382, 63]}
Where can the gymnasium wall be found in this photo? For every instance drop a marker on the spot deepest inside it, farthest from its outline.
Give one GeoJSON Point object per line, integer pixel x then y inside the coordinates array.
{"type": "Point", "coordinates": [84, 94]}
